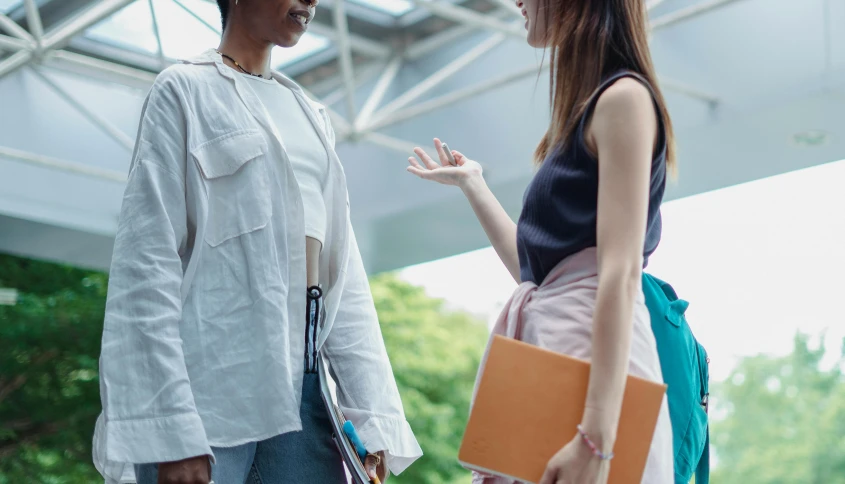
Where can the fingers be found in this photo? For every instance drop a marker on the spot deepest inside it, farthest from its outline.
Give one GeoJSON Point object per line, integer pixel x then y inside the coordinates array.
{"type": "Point", "coordinates": [370, 464]}
{"type": "Point", "coordinates": [420, 172]}
{"type": "Point", "coordinates": [460, 159]}
{"type": "Point", "coordinates": [427, 161]}
{"type": "Point", "coordinates": [414, 163]}
{"type": "Point", "coordinates": [441, 152]}
{"type": "Point", "coordinates": [550, 476]}
{"type": "Point", "coordinates": [196, 470]}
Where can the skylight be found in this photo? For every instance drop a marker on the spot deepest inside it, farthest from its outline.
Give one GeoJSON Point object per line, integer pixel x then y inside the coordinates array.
{"type": "Point", "coordinates": [393, 7]}
{"type": "Point", "coordinates": [183, 35]}
{"type": "Point", "coordinates": [7, 6]}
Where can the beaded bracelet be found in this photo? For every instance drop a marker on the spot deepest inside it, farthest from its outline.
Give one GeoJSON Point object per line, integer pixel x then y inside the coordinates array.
{"type": "Point", "coordinates": [601, 455]}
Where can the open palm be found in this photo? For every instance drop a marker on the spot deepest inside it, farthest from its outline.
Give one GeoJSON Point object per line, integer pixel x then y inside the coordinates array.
{"type": "Point", "coordinates": [444, 172]}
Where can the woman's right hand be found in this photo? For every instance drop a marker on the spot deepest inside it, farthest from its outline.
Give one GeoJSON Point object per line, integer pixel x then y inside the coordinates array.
{"type": "Point", "coordinates": [196, 470]}
{"type": "Point", "coordinates": [444, 172]}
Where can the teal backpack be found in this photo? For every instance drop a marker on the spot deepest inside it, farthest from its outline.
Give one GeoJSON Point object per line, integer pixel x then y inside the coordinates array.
{"type": "Point", "coordinates": [685, 370]}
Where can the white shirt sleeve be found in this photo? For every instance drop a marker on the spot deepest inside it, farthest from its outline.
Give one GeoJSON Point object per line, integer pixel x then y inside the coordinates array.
{"type": "Point", "coordinates": [367, 392]}
{"type": "Point", "coordinates": [148, 406]}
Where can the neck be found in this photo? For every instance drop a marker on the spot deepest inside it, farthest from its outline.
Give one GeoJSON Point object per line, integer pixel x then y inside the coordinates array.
{"type": "Point", "coordinates": [251, 53]}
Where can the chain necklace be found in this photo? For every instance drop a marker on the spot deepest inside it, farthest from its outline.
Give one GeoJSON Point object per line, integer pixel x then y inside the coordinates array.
{"type": "Point", "coordinates": [239, 66]}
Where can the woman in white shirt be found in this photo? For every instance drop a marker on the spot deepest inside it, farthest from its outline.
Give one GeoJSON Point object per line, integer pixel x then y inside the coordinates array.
{"type": "Point", "coordinates": [235, 209]}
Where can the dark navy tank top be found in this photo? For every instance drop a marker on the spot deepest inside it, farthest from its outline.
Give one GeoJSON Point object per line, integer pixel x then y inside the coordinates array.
{"type": "Point", "coordinates": [558, 216]}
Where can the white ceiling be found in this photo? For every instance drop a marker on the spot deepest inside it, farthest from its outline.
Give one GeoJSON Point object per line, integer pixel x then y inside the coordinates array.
{"type": "Point", "coordinates": [742, 79]}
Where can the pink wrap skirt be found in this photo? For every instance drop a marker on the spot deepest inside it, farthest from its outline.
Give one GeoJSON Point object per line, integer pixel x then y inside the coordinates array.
{"type": "Point", "coordinates": [558, 316]}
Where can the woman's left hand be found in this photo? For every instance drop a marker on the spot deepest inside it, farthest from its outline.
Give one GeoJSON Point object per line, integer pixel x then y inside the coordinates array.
{"type": "Point", "coordinates": [576, 464]}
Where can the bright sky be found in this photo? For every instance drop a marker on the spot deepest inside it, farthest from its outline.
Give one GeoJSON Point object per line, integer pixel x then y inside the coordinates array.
{"type": "Point", "coordinates": [757, 262]}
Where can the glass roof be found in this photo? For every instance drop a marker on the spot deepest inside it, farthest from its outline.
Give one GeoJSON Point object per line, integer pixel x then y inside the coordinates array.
{"type": "Point", "coordinates": [393, 7]}
{"type": "Point", "coordinates": [182, 34]}
{"type": "Point", "coordinates": [7, 5]}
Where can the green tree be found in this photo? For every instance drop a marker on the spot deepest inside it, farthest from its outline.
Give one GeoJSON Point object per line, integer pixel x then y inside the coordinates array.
{"type": "Point", "coordinates": [784, 420]}
{"type": "Point", "coordinates": [435, 354]}
{"type": "Point", "coordinates": [49, 389]}
{"type": "Point", "coordinates": [49, 394]}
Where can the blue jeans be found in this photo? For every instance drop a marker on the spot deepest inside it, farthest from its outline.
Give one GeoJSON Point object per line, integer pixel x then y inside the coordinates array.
{"type": "Point", "coordinates": [306, 457]}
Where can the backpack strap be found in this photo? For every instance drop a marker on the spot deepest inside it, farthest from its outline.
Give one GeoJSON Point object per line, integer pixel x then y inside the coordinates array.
{"type": "Point", "coordinates": [702, 472]}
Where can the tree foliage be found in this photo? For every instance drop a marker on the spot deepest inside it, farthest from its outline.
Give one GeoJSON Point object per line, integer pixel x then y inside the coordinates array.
{"type": "Point", "coordinates": [435, 355]}
{"type": "Point", "coordinates": [785, 421]}
{"type": "Point", "coordinates": [49, 389]}
{"type": "Point", "coordinates": [49, 394]}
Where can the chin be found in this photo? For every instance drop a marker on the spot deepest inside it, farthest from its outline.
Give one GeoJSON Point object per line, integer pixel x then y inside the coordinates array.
{"type": "Point", "coordinates": [533, 41]}
{"type": "Point", "coordinates": [288, 41]}
{"type": "Point", "coordinates": [537, 44]}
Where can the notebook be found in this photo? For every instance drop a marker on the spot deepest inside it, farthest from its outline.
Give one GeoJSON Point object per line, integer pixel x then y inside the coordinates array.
{"type": "Point", "coordinates": [354, 466]}
{"type": "Point", "coordinates": [529, 404]}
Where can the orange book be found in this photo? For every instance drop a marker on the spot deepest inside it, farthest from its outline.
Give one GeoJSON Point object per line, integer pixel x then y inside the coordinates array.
{"type": "Point", "coordinates": [529, 404]}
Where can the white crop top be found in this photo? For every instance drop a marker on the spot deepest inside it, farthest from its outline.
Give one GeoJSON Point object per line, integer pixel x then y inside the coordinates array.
{"type": "Point", "coordinates": [306, 152]}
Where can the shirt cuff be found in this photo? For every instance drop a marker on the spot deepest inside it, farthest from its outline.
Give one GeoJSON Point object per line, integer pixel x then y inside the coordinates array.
{"type": "Point", "coordinates": [393, 436]}
{"type": "Point", "coordinates": [155, 440]}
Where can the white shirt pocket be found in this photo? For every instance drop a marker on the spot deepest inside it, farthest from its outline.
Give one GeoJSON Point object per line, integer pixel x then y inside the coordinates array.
{"type": "Point", "coordinates": [234, 169]}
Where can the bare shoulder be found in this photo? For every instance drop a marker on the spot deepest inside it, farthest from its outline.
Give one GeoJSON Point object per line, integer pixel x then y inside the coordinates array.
{"type": "Point", "coordinates": [624, 112]}
{"type": "Point", "coordinates": [625, 98]}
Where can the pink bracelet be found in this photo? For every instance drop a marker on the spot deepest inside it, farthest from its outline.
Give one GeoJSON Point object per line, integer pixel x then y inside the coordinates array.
{"type": "Point", "coordinates": [601, 455]}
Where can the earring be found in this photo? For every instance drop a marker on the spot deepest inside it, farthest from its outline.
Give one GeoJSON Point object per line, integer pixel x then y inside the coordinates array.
{"type": "Point", "coordinates": [236, 2]}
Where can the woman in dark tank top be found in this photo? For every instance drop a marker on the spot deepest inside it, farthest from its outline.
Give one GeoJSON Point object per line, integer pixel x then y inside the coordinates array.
{"type": "Point", "coordinates": [590, 219]}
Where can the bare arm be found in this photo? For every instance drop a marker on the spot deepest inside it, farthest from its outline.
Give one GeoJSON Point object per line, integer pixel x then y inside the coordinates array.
{"type": "Point", "coordinates": [497, 224]}
{"type": "Point", "coordinates": [622, 133]}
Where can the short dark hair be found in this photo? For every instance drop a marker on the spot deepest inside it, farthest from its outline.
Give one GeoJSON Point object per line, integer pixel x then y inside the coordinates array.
{"type": "Point", "coordinates": [224, 11]}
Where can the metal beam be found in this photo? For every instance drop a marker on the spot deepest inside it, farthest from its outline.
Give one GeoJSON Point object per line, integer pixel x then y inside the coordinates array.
{"type": "Point", "coordinates": [687, 13]}
{"type": "Point", "coordinates": [345, 57]}
{"type": "Point", "coordinates": [359, 44]}
{"type": "Point", "coordinates": [470, 17]}
{"type": "Point", "coordinates": [365, 75]}
{"type": "Point", "coordinates": [159, 45]}
{"type": "Point", "coordinates": [435, 42]}
{"type": "Point", "coordinates": [398, 145]}
{"type": "Point", "coordinates": [62, 165]}
{"type": "Point", "coordinates": [446, 72]}
{"type": "Point", "coordinates": [101, 10]}
{"type": "Point", "coordinates": [12, 28]}
{"type": "Point", "coordinates": [477, 89]}
{"type": "Point", "coordinates": [119, 136]}
{"type": "Point", "coordinates": [196, 16]}
{"type": "Point", "coordinates": [456, 96]}
{"type": "Point", "coordinates": [14, 62]}
{"type": "Point", "coordinates": [91, 66]}
{"type": "Point", "coordinates": [33, 20]}
{"type": "Point", "coordinates": [383, 84]}
{"type": "Point", "coordinates": [13, 43]}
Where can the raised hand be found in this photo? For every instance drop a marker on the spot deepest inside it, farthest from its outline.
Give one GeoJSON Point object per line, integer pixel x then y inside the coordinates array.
{"type": "Point", "coordinates": [444, 172]}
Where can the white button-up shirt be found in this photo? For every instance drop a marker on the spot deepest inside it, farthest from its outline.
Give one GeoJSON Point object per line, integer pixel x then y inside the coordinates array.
{"type": "Point", "coordinates": [204, 334]}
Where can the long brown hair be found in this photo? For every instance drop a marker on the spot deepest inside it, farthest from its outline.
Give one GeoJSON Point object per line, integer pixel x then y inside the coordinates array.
{"type": "Point", "coordinates": [589, 40]}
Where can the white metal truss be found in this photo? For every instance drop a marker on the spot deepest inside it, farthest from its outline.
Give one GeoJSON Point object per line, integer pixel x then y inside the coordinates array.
{"type": "Point", "coordinates": [104, 124]}
{"type": "Point", "coordinates": [386, 61]}
{"type": "Point", "coordinates": [33, 19]}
